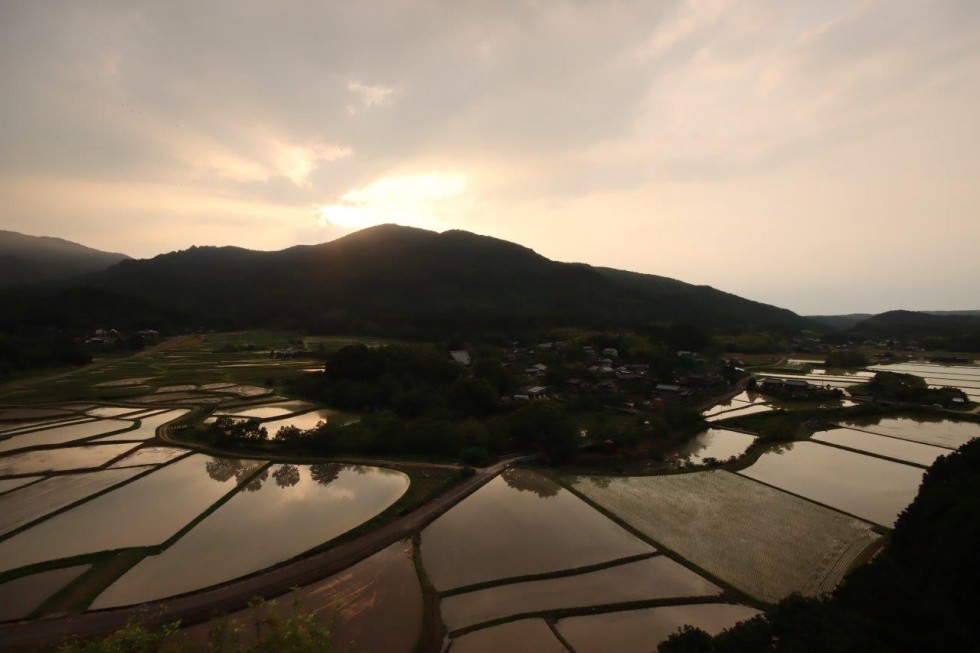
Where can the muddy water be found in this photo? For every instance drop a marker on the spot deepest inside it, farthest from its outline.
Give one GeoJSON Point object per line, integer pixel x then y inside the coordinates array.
{"type": "Point", "coordinates": [296, 508]}
{"type": "Point", "coordinates": [720, 444]}
{"type": "Point", "coordinates": [641, 631]}
{"type": "Point", "coordinates": [520, 523]}
{"type": "Point", "coordinates": [912, 452]}
{"type": "Point", "coordinates": [374, 606]}
{"type": "Point", "coordinates": [870, 488]}
{"type": "Point", "coordinates": [654, 578]}
{"type": "Point", "coordinates": [145, 512]}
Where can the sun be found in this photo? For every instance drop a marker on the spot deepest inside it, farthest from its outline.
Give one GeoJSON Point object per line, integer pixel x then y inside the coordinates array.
{"type": "Point", "coordinates": [412, 200]}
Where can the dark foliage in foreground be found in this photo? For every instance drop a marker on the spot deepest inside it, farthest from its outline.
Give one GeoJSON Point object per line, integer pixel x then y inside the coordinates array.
{"type": "Point", "coordinates": [917, 595]}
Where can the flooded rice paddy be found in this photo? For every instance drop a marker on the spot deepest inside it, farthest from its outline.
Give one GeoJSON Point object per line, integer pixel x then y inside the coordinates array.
{"type": "Point", "coordinates": [520, 523]}
{"type": "Point", "coordinates": [61, 460]}
{"type": "Point", "coordinates": [307, 421]}
{"type": "Point", "coordinates": [148, 426]}
{"type": "Point", "coordinates": [146, 512]}
{"type": "Point", "coordinates": [64, 434]}
{"type": "Point", "coordinates": [641, 631]}
{"type": "Point", "coordinates": [280, 514]}
{"type": "Point", "coordinates": [267, 411]}
{"type": "Point", "coordinates": [53, 493]}
{"type": "Point", "coordinates": [927, 430]}
{"type": "Point", "coordinates": [903, 450]}
{"type": "Point", "coordinates": [765, 542]}
{"type": "Point", "coordinates": [9, 484]}
{"type": "Point", "coordinates": [374, 606]}
{"type": "Point", "coordinates": [964, 377]}
{"type": "Point", "coordinates": [22, 596]}
{"type": "Point", "coordinates": [870, 488]}
{"type": "Point", "coordinates": [749, 409]}
{"type": "Point", "coordinates": [521, 636]}
{"type": "Point", "coordinates": [714, 444]}
{"type": "Point", "coordinates": [658, 577]}
{"type": "Point", "coordinates": [150, 456]}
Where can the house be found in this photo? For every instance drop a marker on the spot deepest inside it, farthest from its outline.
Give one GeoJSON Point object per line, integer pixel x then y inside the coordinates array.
{"type": "Point", "coordinates": [537, 391]}
{"type": "Point", "coordinates": [460, 356]}
{"type": "Point", "coordinates": [537, 369]}
{"type": "Point", "coordinates": [611, 351]}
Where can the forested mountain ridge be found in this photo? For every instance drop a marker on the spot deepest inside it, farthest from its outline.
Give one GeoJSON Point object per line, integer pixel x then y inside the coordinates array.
{"type": "Point", "coordinates": [35, 259]}
{"type": "Point", "coordinates": [413, 282]}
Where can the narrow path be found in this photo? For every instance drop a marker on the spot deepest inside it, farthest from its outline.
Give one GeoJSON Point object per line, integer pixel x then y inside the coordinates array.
{"type": "Point", "coordinates": [235, 595]}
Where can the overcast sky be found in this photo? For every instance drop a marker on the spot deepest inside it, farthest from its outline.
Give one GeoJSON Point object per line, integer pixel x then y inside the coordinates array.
{"type": "Point", "coordinates": [822, 156]}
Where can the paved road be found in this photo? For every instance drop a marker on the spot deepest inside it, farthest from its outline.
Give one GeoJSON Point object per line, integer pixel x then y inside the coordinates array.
{"type": "Point", "coordinates": [235, 595]}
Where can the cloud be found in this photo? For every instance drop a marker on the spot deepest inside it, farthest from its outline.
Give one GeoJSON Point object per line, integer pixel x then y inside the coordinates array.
{"type": "Point", "coordinates": [417, 201]}
{"type": "Point", "coordinates": [596, 119]}
{"type": "Point", "coordinates": [370, 96]}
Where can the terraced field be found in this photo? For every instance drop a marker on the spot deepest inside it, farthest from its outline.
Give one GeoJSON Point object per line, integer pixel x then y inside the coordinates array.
{"type": "Point", "coordinates": [764, 542]}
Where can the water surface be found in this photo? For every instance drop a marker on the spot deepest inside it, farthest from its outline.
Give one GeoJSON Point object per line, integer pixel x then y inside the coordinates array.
{"type": "Point", "coordinates": [309, 420]}
{"type": "Point", "coordinates": [641, 631]}
{"type": "Point", "coordinates": [145, 512]}
{"type": "Point", "coordinates": [148, 426]}
{"type": "Point", "coordinates": [9, 484]}
{"type": "Point", "coordinates": [719, 444]}
{"type": "Point", "coordinates": [936, 431]}
{"type": "Point", "coordinates": [150, 456]}
{"type": "Point", "coordinates": [520, 523]}
{"type": "Point", "coordinates": [870, 488]}
{"type": "Point", "coordinates": [64, 434]}
{"type": "Point", "coordinates": [112, 411]}
{"type": "Point", "coordinates": [374, 606]}
{"type": "Point", "coordinates": [761, 540]}
{"type": "Point", "coordinates": [60, 460]}
{"type": "Point", "coordinates": [658, 577]}
{"type": "Point", "coordinates": [751, 409]}
{"type": "Point", "coordinates": [20, 597]}
{"type": "Point", "coordinates": [296, 508]}
{"type": "Point", "coordinates": [522, 636]}
{"type": "Point", "coordinates": [912, 452]}
{"type": "Point", "coordinates": [56, 492]}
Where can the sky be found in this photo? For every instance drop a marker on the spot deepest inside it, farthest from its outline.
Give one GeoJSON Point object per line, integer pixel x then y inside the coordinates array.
{"type": "Point", "coordinates": [820, 156]}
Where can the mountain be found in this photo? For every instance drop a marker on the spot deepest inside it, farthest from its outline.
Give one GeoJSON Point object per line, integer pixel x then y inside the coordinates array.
{"type": "Point", "coordinates": [416, 283]}
{"type": "Point", "coordinates": [954, 332]}
{"type": "Point", "coordinates": [839, 321]}
{"type": "Point", "coordinates": [38, 259]}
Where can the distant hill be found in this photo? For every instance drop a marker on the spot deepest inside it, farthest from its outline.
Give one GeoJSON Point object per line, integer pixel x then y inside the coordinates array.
{"type": "Point", "coordinates": [412, 282]}
{"type": "Point", "coordinates": [37, 259]}
{"type": "Point", "coordinates": [839, 321]}
{"type": "Point", "coordinates": [956, 332]}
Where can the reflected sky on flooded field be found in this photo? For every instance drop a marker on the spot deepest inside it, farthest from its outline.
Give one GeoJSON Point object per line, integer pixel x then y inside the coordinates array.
{"type": "Point", "coordinates": [864, 486]}
{"type": "Point", "coordinates": [293, 509]}
{"type": "Point", "coordinates": [145, 512]}
{"type": "Point", "coordinates": [520, 523]}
